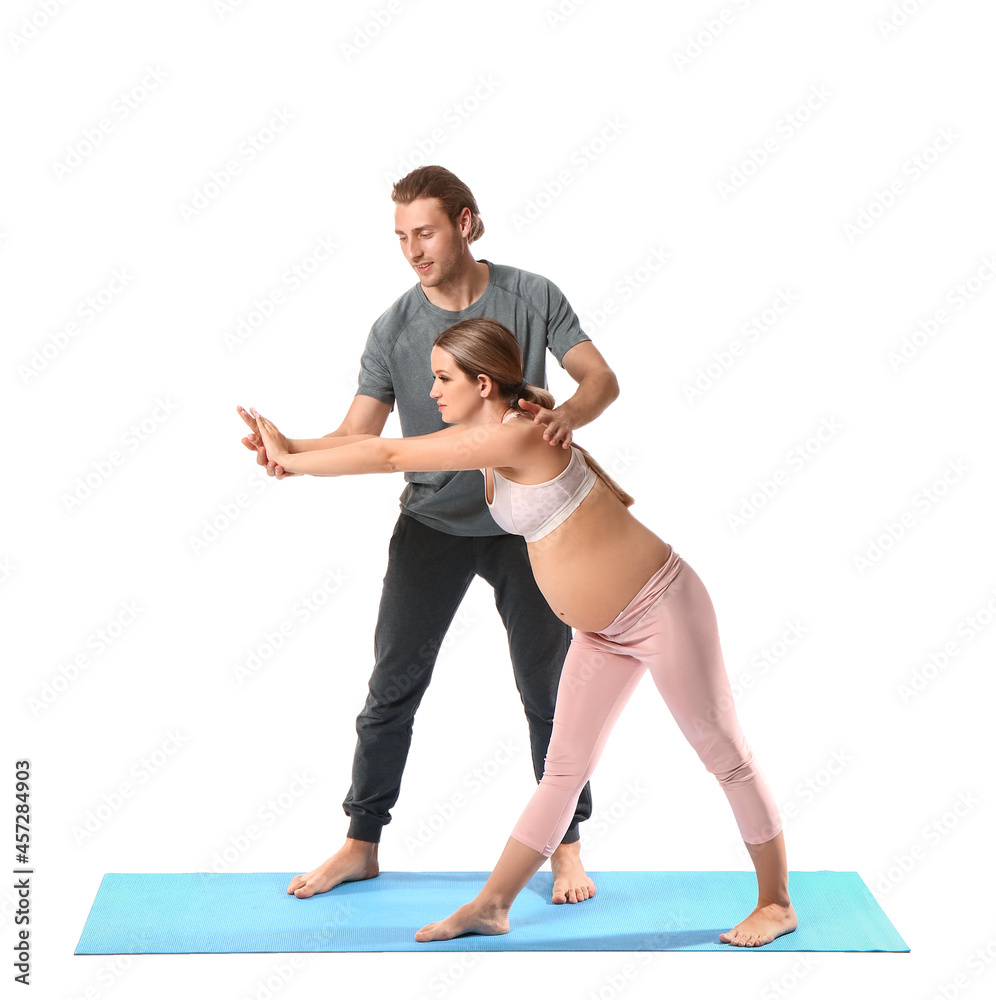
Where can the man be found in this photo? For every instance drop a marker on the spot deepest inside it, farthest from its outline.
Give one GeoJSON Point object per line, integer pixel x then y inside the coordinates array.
{"type": "Point", "coordinates": [445, 535]}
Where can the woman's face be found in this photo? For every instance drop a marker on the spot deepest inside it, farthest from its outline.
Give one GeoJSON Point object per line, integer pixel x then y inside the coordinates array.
{"type": "Point", "coordinates": [458, 397]}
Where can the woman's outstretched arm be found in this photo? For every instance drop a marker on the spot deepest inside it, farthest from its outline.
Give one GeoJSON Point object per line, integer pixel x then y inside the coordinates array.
{"type": "Point", "coordinates": [448, 450]}
{"type": "Point", "coordinates": [252, 440]}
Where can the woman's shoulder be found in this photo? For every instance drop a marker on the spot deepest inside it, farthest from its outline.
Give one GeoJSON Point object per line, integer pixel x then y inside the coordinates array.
{"type": "Point", "coordinates": [536, 460]}
{"type": "Point", "coordinates": [524, 426]}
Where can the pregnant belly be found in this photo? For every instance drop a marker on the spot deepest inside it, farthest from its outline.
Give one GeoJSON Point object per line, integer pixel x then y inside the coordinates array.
{"type": "Point", "coordinates": [595, 563]}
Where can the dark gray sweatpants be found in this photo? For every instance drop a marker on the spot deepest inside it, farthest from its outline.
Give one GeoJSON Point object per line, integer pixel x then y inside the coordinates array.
{"type": "Point", "coordinates": [428, 573]}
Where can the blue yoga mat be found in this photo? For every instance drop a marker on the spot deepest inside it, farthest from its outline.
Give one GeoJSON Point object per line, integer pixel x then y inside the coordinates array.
{"type": "Point", "coordinates": [170, 914]}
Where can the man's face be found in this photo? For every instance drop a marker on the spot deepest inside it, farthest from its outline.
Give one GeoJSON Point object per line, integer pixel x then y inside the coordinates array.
{"type": "Point", "coordinates": [430, 242]}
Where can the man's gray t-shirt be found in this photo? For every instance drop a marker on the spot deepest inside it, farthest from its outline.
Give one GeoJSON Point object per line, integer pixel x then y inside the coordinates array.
{"type": "Point", "coordinates": [395, 368]}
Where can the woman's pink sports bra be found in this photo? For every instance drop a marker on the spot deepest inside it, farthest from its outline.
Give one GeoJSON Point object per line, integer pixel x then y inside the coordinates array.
{"type": "Point", "coordinates": [535, 510]}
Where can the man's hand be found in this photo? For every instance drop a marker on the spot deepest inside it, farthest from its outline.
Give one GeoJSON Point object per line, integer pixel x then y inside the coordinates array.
{"type": "Point", "coordinates": [558, 424]}
{"type": "Point", "coordinates": [254, 442]}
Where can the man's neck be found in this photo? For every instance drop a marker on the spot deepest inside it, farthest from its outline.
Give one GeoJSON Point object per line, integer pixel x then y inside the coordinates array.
{"type": "Point", "coordinates": [464, 290]}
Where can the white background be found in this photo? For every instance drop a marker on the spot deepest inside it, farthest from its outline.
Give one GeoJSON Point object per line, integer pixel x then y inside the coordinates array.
{"type": "Point", "coordinates": [867, 768]}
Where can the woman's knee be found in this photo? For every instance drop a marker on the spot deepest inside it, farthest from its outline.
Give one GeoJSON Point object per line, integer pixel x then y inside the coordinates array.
{"type": "Point", "coordinates": [734, 767]}
{"type": "Point", "coordinates": [723, 749]}
{"type": "Point", "coordinates": [566, 773]}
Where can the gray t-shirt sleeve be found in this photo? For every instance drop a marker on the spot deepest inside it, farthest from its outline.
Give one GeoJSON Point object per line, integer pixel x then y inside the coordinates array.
{"type": "Point", "coordinates": [375, 374]}
{"type": "Point", "coordinates": [563, 326]}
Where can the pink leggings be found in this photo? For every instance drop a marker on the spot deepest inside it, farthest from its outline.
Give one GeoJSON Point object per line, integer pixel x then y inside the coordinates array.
{"type": "Point", "coordinates": [670, 628]}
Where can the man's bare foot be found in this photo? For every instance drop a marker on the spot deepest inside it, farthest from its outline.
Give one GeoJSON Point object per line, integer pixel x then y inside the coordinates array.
{"type": "Point", "coordinates": [353, 862]}
{"type": "Point", "coordinates": [471, 918]}
{"type": "Point", "coordinates": [764, 924]}
{"type": "Point", "coordinates": [570, 881]}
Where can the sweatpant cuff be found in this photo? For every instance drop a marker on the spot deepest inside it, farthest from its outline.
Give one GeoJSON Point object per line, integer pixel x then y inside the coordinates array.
{"type": "Point", "coordinates": [572, 836]}
{"type": "Point", "coordinates": [364, 828]}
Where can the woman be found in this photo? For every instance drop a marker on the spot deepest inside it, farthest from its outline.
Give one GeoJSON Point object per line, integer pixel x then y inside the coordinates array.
{"type": "Point", "coordinates": [633, 602]}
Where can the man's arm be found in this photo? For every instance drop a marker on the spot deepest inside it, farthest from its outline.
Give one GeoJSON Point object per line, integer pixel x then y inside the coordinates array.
{"type": "Point", "coordinates": [345, 433]}
{"type": "Point", "coordinates": [597, 388]}
{"type": "Point", "coordinates": [365, 415]}
{"type": "Point", "coordinates": [365, 418]}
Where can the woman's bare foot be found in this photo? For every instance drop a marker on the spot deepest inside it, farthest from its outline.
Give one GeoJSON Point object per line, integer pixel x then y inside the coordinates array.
{"type": "Point", "coordinates": [774, 914]}
{"type": "Point", "coordinates": [764, 924]}
{"type": "Point", "coordinates": [471, 918]}
{"type": "Point", "coordinates": [570, 881]}
{"type": "Point", "coordinates": [353, 862]}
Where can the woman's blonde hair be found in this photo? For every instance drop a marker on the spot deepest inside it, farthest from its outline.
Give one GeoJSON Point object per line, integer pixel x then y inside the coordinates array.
{"type": "Point", "coordinates": [482, 346]}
